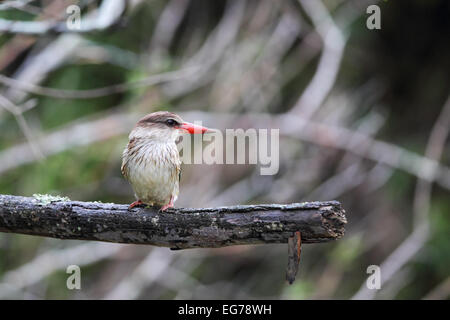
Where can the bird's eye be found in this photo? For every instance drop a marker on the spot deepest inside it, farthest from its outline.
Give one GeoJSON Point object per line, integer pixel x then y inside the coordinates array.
{"type": "Point", "coordinates": [171, 122]}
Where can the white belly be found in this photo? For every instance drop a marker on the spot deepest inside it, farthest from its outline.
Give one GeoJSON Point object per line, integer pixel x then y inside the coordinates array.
{"type": "Point", "coordinates": [154, 174]}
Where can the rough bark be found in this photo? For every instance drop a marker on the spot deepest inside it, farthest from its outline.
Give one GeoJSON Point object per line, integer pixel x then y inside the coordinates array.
{"type": "Point", "coordinates": [178, 228]}
{"type": "Point", "coordinates": [294, 251]}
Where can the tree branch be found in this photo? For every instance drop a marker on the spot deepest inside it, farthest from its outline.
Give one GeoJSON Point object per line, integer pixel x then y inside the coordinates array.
{"type": "Point", "coordinates": [178, 228]}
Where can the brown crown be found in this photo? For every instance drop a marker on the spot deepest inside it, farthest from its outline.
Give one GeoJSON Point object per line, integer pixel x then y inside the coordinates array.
{"type": "Point", "coordinates": [159, 117]}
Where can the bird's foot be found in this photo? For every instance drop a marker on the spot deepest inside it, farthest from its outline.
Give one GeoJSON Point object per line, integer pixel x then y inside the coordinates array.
{"type": "Point", "coordinates": [167, 206]}
{"type": "Point", "coordinates": [134, 204]}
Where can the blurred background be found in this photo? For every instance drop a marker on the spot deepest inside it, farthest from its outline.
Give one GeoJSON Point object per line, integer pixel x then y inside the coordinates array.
{"type": "Point", "coordinates": [363, 116]}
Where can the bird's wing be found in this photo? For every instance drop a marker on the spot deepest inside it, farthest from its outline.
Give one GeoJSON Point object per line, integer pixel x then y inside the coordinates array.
{"type": "Point", "coordinates": [124, 169]}
{"type": "Point", "coordinates": [125, 158]}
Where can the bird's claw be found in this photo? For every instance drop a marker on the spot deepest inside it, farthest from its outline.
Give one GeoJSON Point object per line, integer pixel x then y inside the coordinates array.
{"type": "Point", "coordinates": [167, 206]}
{"type": "Point", "coordinates": [135, 204]}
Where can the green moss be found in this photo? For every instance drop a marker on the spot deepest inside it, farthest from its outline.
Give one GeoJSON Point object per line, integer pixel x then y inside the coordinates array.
{"type": "Point", "coordinates": [45, 199]}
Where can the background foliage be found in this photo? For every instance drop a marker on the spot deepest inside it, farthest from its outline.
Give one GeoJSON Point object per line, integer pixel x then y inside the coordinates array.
{"type": "Point", "coordinates": [237, 64]}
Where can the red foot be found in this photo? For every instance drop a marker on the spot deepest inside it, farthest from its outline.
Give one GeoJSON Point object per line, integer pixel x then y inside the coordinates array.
{"type": "Point", "coordinates": [134, 204]}
{"type": "Point", "coordinates": [167, 206]}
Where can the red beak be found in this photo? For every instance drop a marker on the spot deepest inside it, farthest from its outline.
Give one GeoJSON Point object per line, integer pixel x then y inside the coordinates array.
{"type": "Point", "coordinates": [193, 128]}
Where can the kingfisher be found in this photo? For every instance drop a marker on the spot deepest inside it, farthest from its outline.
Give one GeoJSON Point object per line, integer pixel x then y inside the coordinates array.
{"type": "Point", "coordinates": [151, 161]}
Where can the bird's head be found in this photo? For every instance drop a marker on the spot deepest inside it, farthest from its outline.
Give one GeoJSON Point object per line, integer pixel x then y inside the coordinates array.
{"type": "Point", "coordinates": [164, 126]}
